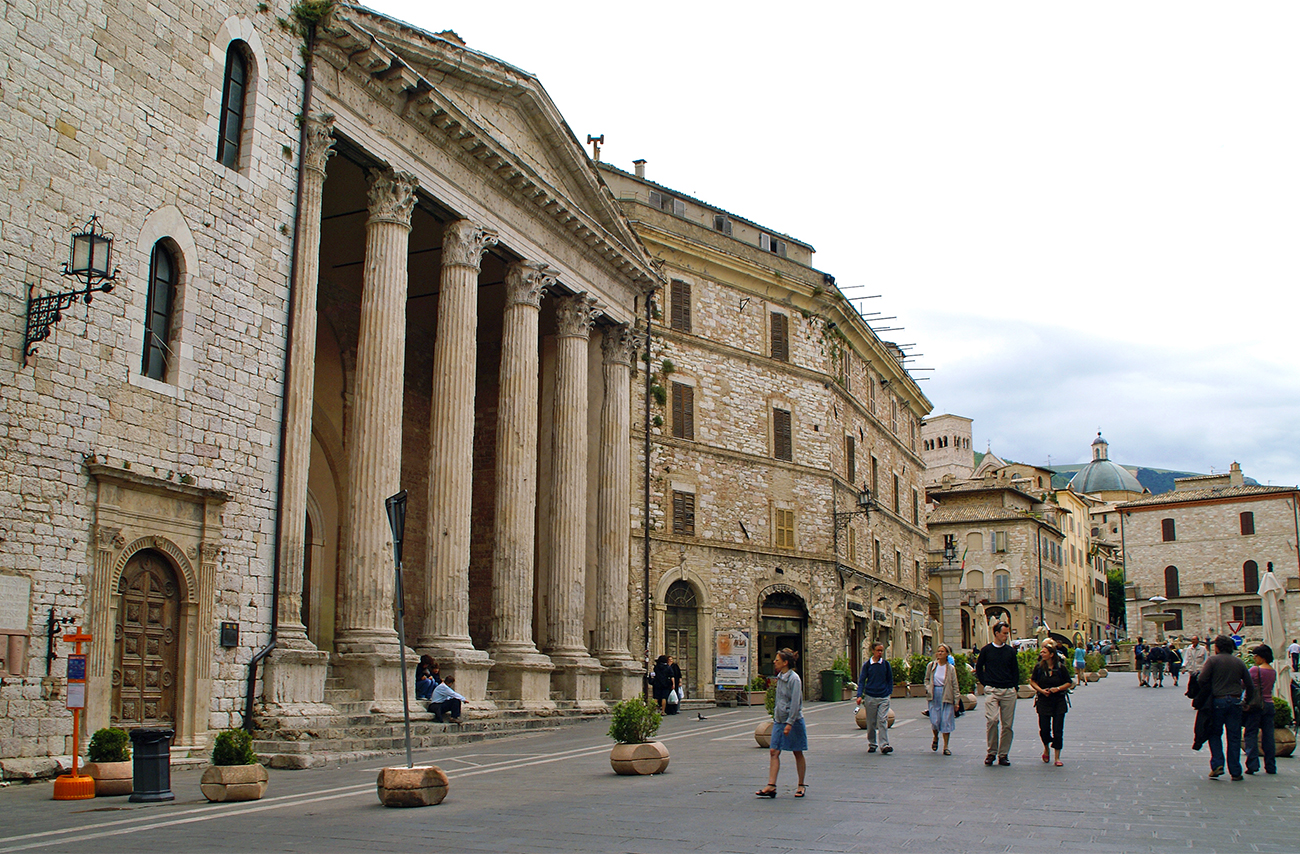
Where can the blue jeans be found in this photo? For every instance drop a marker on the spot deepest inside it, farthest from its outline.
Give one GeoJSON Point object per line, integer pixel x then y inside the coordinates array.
{"type": "Point", "coordinates": [1259, 728]}
{"type": "Point", "coordinates": [1227, 715]}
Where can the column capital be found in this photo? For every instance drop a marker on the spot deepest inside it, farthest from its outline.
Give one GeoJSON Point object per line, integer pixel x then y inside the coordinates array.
{"type": "Point", "coordinates": [525, 281]}
{"type": "Point", "coordinates": [392, 196]}
{"type": "Point", "coordinates": [575, 314]}
{"type": "Point", "coordinates": [464, 242]}
{"type": "Point", "coordinates": [320, 142]}
{"type": "Point", "coordinates": [618, 345]}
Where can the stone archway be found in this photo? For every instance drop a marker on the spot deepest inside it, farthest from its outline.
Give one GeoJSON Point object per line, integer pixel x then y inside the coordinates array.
{"type": "Point", "coordinates": [146, 646]}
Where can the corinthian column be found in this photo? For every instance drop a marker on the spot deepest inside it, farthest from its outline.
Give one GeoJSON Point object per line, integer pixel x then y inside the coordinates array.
{"type": "Point", "coordinates": [451, 460]}
{"type": "Point", "coordinates": [613, 527]}
{"type": "Point", "coordinates": [577, 673]}
{"type": "Point", "coordinates": [519, 672]}
{"type": "Point", "coordinates": [366, 624]}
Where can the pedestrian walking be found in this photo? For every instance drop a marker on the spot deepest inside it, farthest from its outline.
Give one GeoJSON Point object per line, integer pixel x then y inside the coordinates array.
{"type": "Point", "coordinates": [1224, 679]}
{"type": "Point", "coordinates": [675, 695]}
{"type": "Point", "coordinates": [1142, 664]}
{"type": "Point", "coordinates": [1193, 660]}
{"type": "Point", "coordinates": [999, 673]}
{"type": "Point", "coordinates": [875, 686]}
{"type": "Point", "coordinates": [1258, 717]}
{"type": "Point", "coordinates": [1175, 662]}
{"type": "Point", "coordinates": [944, 693]}
{"type": "Point", "coordinates": [1294, 651]}
{"type": "Point", "coordinates": [788, 729]}
{"type": "Point", "coordinates": [1080, 665]}
{"type": "Point", "coordinates": [663, 682]}
{"type": "Point", "coordinates": [1051, 683]}
{"type": "Point", "coordinates": [1157, 657]}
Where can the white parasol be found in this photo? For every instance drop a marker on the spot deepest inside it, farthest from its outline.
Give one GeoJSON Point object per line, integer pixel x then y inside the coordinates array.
{"type": "Point", "coordinates": [1271, 593]}
{"type": "Point", "coordinates": [982, 636]}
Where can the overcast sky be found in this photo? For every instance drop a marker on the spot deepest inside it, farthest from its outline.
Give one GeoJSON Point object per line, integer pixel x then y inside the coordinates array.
{"type": "Point", "coordinates": [1083, 214]}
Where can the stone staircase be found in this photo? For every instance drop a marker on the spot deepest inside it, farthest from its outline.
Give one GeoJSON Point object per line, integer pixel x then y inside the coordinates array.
{"type": "Point", "coordinates": [344, 729]}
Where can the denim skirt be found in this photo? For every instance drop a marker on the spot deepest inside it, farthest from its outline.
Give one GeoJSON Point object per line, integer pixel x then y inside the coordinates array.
{"type": "Point", "coordinates": [796, 740]}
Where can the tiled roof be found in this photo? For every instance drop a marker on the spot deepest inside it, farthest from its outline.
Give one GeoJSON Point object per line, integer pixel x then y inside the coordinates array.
{"type": "Point", "coordinates": [943, 514]}
{"type": "Point", "coordinates": [1186, 495]}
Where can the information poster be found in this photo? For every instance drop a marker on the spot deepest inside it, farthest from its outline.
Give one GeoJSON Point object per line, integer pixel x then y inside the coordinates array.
{"type": "Point", "coordinates": [732, 669]}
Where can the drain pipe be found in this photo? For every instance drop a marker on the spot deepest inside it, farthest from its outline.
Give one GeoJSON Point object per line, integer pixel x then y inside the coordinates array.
{"type": "Point", "coordinates": [262, 653]}
{"type": "Point", "coordinates": [645, 519]}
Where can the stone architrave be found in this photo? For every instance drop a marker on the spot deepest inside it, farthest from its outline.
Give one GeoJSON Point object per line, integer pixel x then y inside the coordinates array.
{"type": "Point", "coordinates": [520, 672]}
{"type": "Point", "coordinates": [623, 673]}
{"type": "Point", "coordinates": [445, 633]}
{"type": "Point", "coordinates": [367, 638]}
{"type": "Point", "coordinates": [296, 670]}
{"type": "Point", "coordinates": [577, 674]}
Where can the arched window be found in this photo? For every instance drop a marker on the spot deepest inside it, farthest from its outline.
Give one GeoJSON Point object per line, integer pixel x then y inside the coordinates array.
{"type": "Point", "coordinates": [1171, 582]}
{"type": "Point", "coordinates": [234, 93]}
{"type": "Point", "coordinates": [159, 305]}
{"type": "Point", "coordinates": [1250, 576]}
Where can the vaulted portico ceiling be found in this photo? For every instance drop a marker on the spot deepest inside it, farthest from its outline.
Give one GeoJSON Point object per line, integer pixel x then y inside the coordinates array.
{"type": "Point", "coordinates": [487, 112]}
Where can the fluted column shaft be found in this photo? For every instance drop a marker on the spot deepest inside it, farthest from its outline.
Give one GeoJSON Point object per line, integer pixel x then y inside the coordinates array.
{"type": "Point", "coordinates": [375, 438]}
{"type": "Point", "coordinates": [299, 392]}
{"type": "Point", "coordinates": [516, 486]}
{"type": "Point", "coordinates": [566, 601]}
{"type": "Point", "coordinates": [613, 525]}
{"type": "Point", "coordinates": [451, 439]}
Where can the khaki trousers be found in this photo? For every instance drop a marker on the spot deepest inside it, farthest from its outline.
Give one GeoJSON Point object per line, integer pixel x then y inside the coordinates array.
{"type": "Point", "coordinates": [999, 708]}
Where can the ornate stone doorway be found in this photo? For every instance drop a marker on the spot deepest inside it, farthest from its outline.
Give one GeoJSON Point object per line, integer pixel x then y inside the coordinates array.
{"type": "Point", "coordinates": [146, 643]}
{"type": "Point", "coordinates": [681, 632]}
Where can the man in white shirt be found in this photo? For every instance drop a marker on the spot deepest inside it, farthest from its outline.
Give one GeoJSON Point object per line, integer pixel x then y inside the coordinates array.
{"type": "Point", "coordinates": [446, 702]}
{"type": "Point", "coordinates": [1294, 650]}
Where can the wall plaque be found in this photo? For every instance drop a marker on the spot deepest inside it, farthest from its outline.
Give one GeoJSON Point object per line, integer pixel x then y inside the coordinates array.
{"type": "Point", "coordinates": [15, 603]}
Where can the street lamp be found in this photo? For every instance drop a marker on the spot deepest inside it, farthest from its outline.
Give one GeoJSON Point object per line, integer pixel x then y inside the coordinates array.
{"type": "Point", "coordinates": [90, 258]}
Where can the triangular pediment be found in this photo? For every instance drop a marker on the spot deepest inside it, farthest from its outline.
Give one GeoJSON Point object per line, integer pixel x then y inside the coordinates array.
{"type": "Point", "coordinates": [494, 109]}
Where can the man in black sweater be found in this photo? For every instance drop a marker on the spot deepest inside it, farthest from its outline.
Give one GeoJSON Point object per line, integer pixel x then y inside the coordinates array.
{"type": "Point", "coordinates": [999, 672]}
{"type": "Point", "coordinates": [1223, 681]}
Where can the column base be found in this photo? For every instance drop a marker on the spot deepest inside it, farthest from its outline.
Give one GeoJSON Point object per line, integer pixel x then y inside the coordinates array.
{"type": "Point", "coordinates": [577, 679]}
{"type": "Point", "coordinates": [376, 677]}
{"type": "Point", "coordinates": [523, 678]}
{"type": "Point", "coordinates": [368, 642]}
{"type": "Point", "coordinates": [295, 676]}
{"type": "Point", "coordinates": [470, 666]}
{"type": "Point", "coordinates": [623, 678]}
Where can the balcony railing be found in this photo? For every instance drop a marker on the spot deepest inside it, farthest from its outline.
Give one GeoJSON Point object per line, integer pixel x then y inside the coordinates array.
{"type": "Point", "coordinates": [994, 594]}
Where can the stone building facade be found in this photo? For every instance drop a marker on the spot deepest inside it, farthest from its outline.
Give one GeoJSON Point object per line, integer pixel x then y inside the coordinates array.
{"type": "Point", "coordinates": [785, 478]}
{"type": "Point", "coordinates": [424, 284]}
{"type": "Point", "coordinates": [946, 448]}
{"type": "Point", "coordinates": [1205, 547]}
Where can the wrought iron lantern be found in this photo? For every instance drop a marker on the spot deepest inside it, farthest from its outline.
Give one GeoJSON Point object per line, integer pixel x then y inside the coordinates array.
{"type": "Point", "coordinates": [89, 260]}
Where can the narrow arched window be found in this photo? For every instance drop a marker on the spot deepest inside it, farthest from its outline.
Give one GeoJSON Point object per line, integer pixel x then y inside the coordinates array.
{"type": "Point", "coordinates": [233, 97]}
{"type": "Point", "coordinates": [1171, 582]}
{"type": "Point", "coordinates": [1250, 576]}
{"type": "Point", "coordinates": [158, 313]}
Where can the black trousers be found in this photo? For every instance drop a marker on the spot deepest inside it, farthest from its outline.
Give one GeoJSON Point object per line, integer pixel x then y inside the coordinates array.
{"type": "Point", "coordinates": [450, 708]}
{"type": "Point", "coordinates": [1051, 723]}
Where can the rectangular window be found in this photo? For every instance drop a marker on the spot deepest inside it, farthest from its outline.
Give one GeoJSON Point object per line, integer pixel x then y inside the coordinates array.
{"type": "Point", "coordinates": [1251, 615]}
{"type": "Point", "coordinates": [893, 415]}
{"type": "Point", "coordinates": [780, 349]}
{"type": "Point", "coordinates": [897, 507]}
{"type": "Point", "coordinates": [850, 460]}
{"type": "Point", "coordinates": [680, 317]}
{"type": "Point", "coordinates": [916, 508]}
{"type": "Point", "coordinates": [999, 541]}
{"type": "Point", "coordinates": [784, 529]}
{"type": "Point", "coordinates": [853, 545]}
{"type": "Point", "coordinates": [1167, 530]}
{"type": "Point", "coordinates": [875, 478]}
{"type": "Point", "coordinates": [1177, 622]}
{"type": "Point", "coordinates": [768, 243]}
{"type": "Point", "coordinates": [871, 393]}
{"type": "Point", "coordinates": [920, 581]}
{"type": "Point", "coordinates": [1247, 522]}
{"type": "Point", "coordinates": [683, 411]}
{"type": "Point", "coordinates": [782, 440]}
{"type": "Point", "coordinates": [877, 558]}
{"type": "Point", "coordinates": [667, 203]}
{"type": "Point", "coordinates": [683, 513]}
{"type": "Point", "coordinates": [722, 223]}
{"type": "Point", "coordinates": [898, 566]}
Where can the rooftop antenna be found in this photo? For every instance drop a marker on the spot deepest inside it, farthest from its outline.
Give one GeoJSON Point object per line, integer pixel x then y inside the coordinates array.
{"type": "Point", "coordinates": [595, 142]}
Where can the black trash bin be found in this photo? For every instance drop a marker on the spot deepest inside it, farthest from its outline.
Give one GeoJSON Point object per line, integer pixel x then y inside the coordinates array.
{"type": "Point", "coordinates": [151, 768]}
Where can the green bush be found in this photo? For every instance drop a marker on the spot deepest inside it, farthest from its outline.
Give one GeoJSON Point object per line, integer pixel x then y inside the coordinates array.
{"type": "Point", "coordinates": [1026, 658]}
{"type": "Point", "coordinates": [841, 665]}
{"type": "Point", "coordinates": [634, 721]}
{"type": "Point", "coordinates": [758, 683]}
{"type": "Point", "coordinates": [109, 744]}
{"type": "Point", "coordinates": [1282, 716]}
{"type": "Point", "coordinates": [1093, 661]}
{"type": "Point", "coordinates": [899, 668]}
{"type": "Point", "coordinates": [770, 699]}
{"type": "Point", "coordinates": [916, 667]}
{"type": "Point", "coordinates": [233, 747]}
{"type": "Point", "coordinates": [965, 675]}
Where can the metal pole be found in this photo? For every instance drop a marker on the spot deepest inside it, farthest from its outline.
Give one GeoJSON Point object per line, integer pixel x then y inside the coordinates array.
{"type": "Point", "coordinates": [395, 507]}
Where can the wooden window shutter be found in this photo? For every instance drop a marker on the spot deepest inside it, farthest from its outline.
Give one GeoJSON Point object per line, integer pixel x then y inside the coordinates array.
{"type": "Point", "coordinates": [780, 337]}
{"type": "Point", "coordinates": [683, 513]}
{"type": "Point", "coordinates": [681, 308]}
{"type": "Point", "coordinates": [850, 461]}
{"type": "Point", "coordinates": [782, 442]}
{"type": "Point", "coordinates": [683, 411]}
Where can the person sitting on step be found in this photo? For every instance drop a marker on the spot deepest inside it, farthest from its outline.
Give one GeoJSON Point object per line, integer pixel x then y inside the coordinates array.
{"type": "Point", "coordinates": [446, 702]}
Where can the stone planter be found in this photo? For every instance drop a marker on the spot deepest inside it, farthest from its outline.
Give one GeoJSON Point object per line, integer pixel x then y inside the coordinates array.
{"type": "Point", "coordinates": [111, 778]}
{"type": "Point", "coordinates": [1102, 674]}
{"type": "Point", "coordinates": [848, 693]}
{"type": "Point", "coordinates": [763, 734]}
{"type": "Point", "coordinates": [419, 786]}
{"type": "Point", "coordinates": [916, 690]}
{"type": "Point", "coordinates": [1090, 677]}
{"type": "Point", "coordinates": [889, 719]}
{"type": "Point", "coordinates": [900, 691]}
{"type": "Point", "coordinates": [650, 757]}
{"type": "Point", "coordinates": [968, 702]}
{"type": "Point", "coordinates": [1284, 741]}
{"type": "Point", "coordinates": [1024, 692]}
{"type": "Point", "coordinates": [753, 698]}
{"type": "Point", "coordinates": [222, 783]}
{"type": "Point", "coordinates": [860, 717]}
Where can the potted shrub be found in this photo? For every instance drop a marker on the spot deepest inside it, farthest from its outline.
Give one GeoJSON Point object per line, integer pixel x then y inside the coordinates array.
{"type": "Point", "coordinates": [899, 668]}
{"type": "Point", "coordinates": [841, 666]}
{"type": "Point", "coordinates": [965, 682]}
{"type": "Point", "coordinates": [235, 774]}
{"type": "Point", "coordinates": [1283, 737]}
{"type": "Point", "coordinates": [1026, 658]}
{"type": "Point", "coordinates": [763, 732]}
{"type": "Point", "coordinates": [756, 694]}
{"type": "Point", "coordinates": [110, 762]}
{"type": "Point", "coordinates": [632, 726]}
{"type": "Point", "coordinates": [916, 667]}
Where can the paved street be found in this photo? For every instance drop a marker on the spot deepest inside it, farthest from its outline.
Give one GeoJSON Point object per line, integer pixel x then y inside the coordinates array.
{"type": "Point", "coordinates": [1131, 784]}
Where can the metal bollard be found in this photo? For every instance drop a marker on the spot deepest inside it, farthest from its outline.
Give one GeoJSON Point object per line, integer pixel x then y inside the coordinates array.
{"type": "Point", "coordinates": [151, 765]}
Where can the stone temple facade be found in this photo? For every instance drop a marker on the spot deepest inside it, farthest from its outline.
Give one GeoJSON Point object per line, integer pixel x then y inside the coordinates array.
{"type": "Point", "coordinates": [391, 266]}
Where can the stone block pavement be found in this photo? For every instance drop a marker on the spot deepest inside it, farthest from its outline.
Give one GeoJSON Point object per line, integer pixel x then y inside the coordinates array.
{"type": "Point", "coordinates": [1131, 784]}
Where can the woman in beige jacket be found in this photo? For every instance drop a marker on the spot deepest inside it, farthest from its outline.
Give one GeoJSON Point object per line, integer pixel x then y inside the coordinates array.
{"type": "Point", "coordinates": [942, 689]}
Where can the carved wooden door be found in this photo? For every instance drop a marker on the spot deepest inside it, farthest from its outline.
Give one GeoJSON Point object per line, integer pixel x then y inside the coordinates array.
{"type": "Point", "coordinates": [144, 667]}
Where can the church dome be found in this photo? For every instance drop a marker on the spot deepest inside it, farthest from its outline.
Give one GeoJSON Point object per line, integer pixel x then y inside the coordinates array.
{"type": "Point", "coordinates": [1103, 475]}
